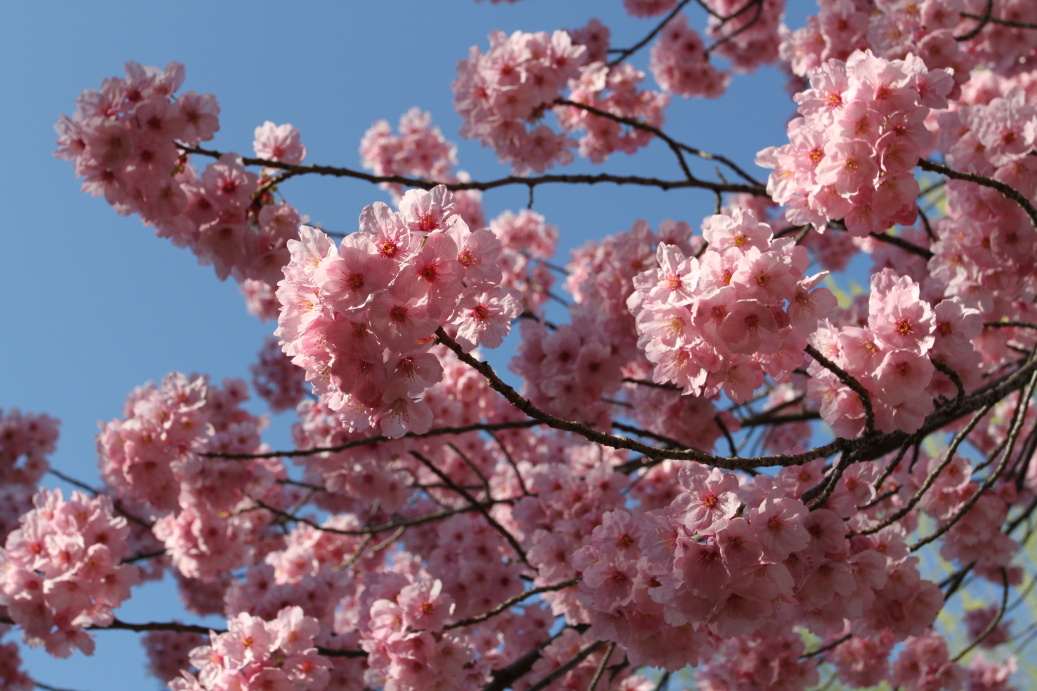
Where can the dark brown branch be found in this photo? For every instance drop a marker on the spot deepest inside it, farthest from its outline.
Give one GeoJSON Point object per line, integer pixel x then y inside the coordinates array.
{"type": "Point", "coordinates": [504, 677]}
{"type": "Point", "coordinates": [932, 477]}
{"type": "Point", "coordinates": [601, 667]}
{"type": "Point", "coordinates": [630, 429]}
{"type": "Point", "coordinates": [1007, 454]}
{"type": "Point", "coordinates": [141, 556]}
{"type": "Point", "coordinates": [825, 648]}
{"type": "Point", "coordinates": [94, 492]}
{"type": "Point", "coordinates": [511, 462]}
{"type": "Point", "coordinates": [913, 442]}
{"type": "Point", "coordinates": [928, 226]}
{"type": "Point", "coordinates": [510, 602]}
{"type": "Point", "coordinates": [816, 496]}
{"type": "Point", "coordinates": [623, 54]}
{"type": "Point", "coordinates": [531, 181]}
{"type": "Point", "coordinates": [74, 482]}
{"type": "Point", "coordinates": [1009, 324]}
{"type": "Point", "coordinates": [568, 666]}
{"type": "Point", "coordinates": [983, 20]}
{"type": "Point", "coordinates": [384, 527]}
{"type": "Point", "coordinates": [377, 439]}
{"type": "Point", "coordinates": [959, 386]}
{"type": "Point", "coordinates": [851, 383]}
{"type": "Point", "coordinates": [671, 142]}
{"type": "Point", "coordinates": [727, 434]}
{"type": "Point", "coordinates": [864, 448]}
{"type": "Point", "coordinates": [475, 469]}
{"type": "Point", "coordinates": [615, 442]}
{"type": "Point", "coordinates": [48, 687]}
{"type": "Point", "coordinates": [758, 4]}
{"type": "Point", "coordinates": [1003, 22]}
{"type": "Point", "coordinates": [1007, 190]}
{"type": "Point", "coordinates": [903, 244]}
{"type": "Point", "coordinates": [477, 505]}
{"type": "Point", "coordinates": [654, 385]}
{"type": "Point", "coordinates": [117, 624]}
{"type": "Point", "coordinates": [636, 124]}
{"type": "Point", "coordinates": [773, 420]}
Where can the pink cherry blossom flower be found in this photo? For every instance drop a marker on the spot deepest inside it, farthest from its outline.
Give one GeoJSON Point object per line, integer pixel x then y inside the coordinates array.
{"type": "Point", "coordinates": [485, 317]}
{"type": "Point", "coordinates": [778, 522]}
{"type": "Point", "coordinates": [279, 143]}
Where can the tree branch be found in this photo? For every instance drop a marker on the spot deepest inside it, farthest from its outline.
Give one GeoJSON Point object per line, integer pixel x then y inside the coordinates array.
{"type": "Point", "coordinates": [677, 147]}
{"type": "Point", "coordinates": [477, 505]}
{"type": "Point", "coordinates": [530, 182]}
{"type": "Point", "coordinates": [1007, 190]}
{"type": "Point", "coordinates": [626, 53]}
{"type": "Point", "coordinates": [511, 602]}
{"type": "Point", "coordinates": [568, 666]}
{"type": "Point", "coordinates": [377, 439]}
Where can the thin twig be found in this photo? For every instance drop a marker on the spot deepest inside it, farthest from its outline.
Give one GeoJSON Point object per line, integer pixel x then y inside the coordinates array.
{"type": "Point", "coordinates": [1008, 191]}
{"type": "Point", "coordinates": [376, 439]}
{"type": "Point", "coordinates": [504, 677]}
{"type": "Point", "coordinates": [983, 19]}
{"type": "Point", "coordinates": [601, 667]}
{"type": "Point", "coordinates": [1007, 454]}
{"type": "Point", "coordinates": [477, 505]}
{"type": "Point", "coordinates": [994, 622]}
{"type": "Point", "coordinates": [511, 462]}
{"type": "Point", "coordinates": [932, 477]}
{"type": "Point", "coordinates": [510, 180]}
{"type": "Point", "coordinates": [571, 663]}
{"type": "Point", "coordinates": [674, 145]}
{"type": "Point", "coordinates": [825, 648]}
{"type": "Point", "coordinates": [745, 27]}
{"type": "Point", "coordinates": [849, 381]}
{"type": "Point", "coordinates": [627, 52]}
{"type": "Point", "coordinates": [374, 530]}
{"type": "Point", "coordinates": [511, 602]}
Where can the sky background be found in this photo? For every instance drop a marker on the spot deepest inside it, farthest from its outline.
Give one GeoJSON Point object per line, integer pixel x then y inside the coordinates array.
{"type": "Point", "coordinates": [93, 304]}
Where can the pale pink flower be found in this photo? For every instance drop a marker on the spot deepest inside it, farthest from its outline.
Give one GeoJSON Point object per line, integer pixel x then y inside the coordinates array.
{"type": "Point", "coordinates": [279, 143]}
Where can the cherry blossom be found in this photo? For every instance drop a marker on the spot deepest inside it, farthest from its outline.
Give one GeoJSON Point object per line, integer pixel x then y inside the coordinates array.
{"type": "Point", "coordinates": [740, 446]}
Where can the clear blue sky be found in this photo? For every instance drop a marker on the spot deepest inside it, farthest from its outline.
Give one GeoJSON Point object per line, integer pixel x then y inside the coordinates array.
{"type": "Point", "coordinates": [94, 305]}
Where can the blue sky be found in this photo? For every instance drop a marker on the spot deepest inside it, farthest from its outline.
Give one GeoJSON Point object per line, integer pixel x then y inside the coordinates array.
{"type": "Point", "coordinates": [95, 305]}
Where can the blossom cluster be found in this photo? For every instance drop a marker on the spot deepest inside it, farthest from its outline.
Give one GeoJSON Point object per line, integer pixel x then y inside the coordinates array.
{"type": "Point", "coordinates": [951, 496]}
{"type": "Point", "coordinates": [724, 561]}
{"type": "Point", "coordinates": [852, 149]}
{"type": "Point", "coordinates": [890, 357]}
{"type": "Point", "coordinates": [25, 441]}
{"type": "Point", "coordinates": [62, 570]}
{"type": "Point", "coordinates": [504, 94]}
{"type": "Point", "coordinates": [527, 241]}
{"type": "Point", "coordinates": [681, 65]}
{"type": "Point", "coordinates": [360, 318]}
{"type": "Point", "coordinates": [152, 457]}
{"type": "Point", "coordinates": [277, 381]}
{"type": "Point", "coordinates": [985, 244]}
{"type": "Point", "coordinates": [747, 35]}
{"type": "Point", "coordinates": [892, 30]}
{"type": "Point", "coordinates": [407, 552]}
{"type": "Point", "coordinates": [12, 676]}
{"type": "Point", "coordinates": [258, 655]}
{"type": "Point", "coordinates": [925, 664]}
{"type": "Point", "coordinates": [128, 141]}
{"type": "Point", "coordinates": [615, 91]}
{"type": "Point", "coordinates": [723, 321]}
{"type": "Point", "coordinates": [498, 92]}
{"type": "Point", "coordinates": [420, 149]}
{"type": "Point", "coordinates": [408, 649]}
